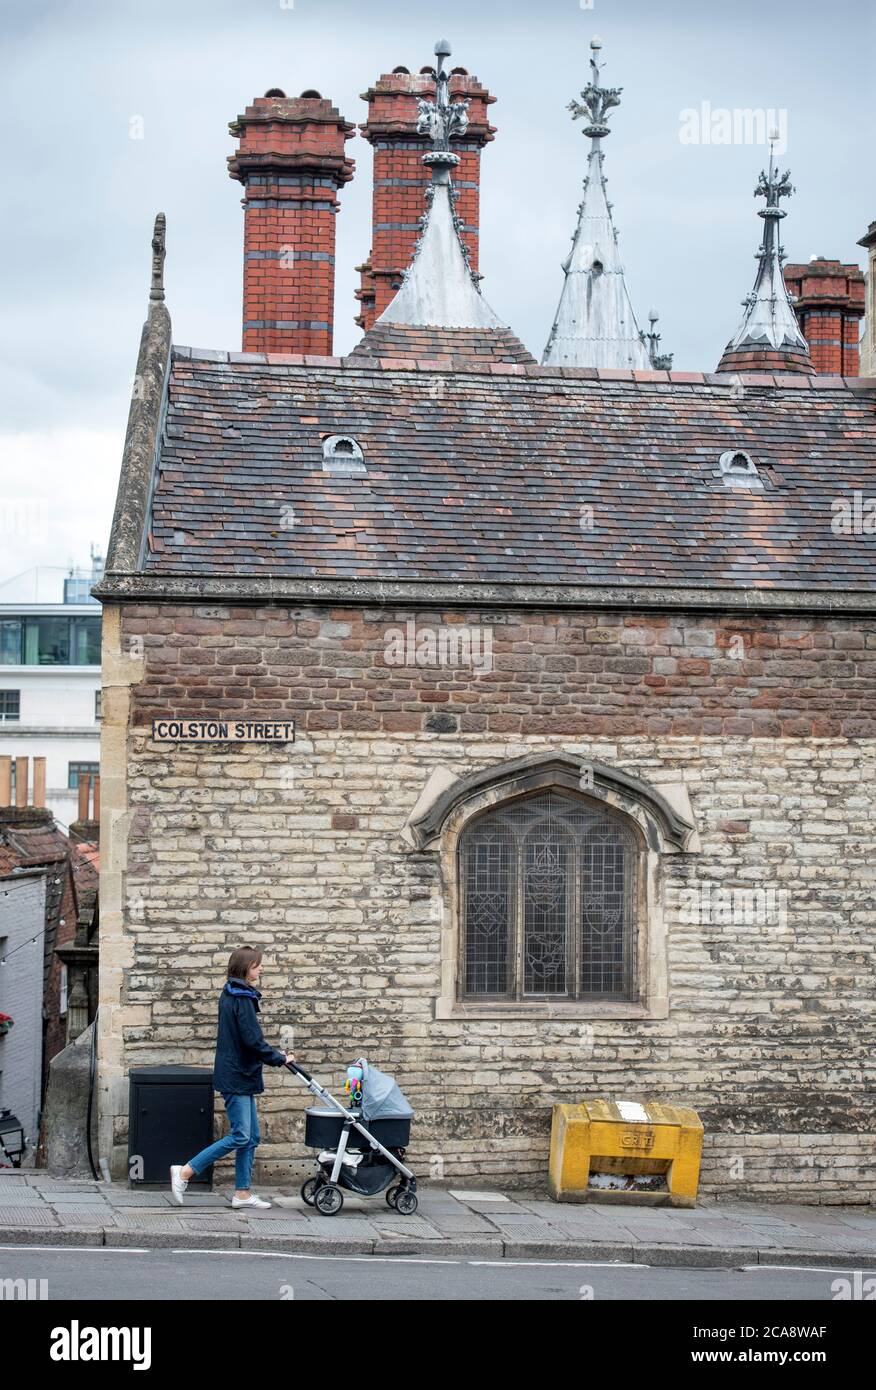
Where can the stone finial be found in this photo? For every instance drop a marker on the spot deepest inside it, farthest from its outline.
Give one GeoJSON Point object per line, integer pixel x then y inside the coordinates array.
{"type": "Point", "coordinates": [159, 251]}
{"type": "Point", "coordinates": [597, 100]}
{"type": "Point", "coordinates": [442, 118]}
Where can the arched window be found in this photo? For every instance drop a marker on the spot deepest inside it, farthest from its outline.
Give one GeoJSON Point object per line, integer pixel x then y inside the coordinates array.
{"type": "Point", "coordinates": [548, 890]}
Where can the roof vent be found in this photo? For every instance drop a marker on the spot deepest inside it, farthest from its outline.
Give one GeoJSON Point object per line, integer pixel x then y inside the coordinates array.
{"type": "Point", "coordinates": [738, 469]}
{"type": "Point", "coordinates": [342, 454]}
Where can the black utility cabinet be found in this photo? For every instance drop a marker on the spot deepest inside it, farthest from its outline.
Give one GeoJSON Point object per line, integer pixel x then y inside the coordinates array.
{"type": "Point", "coordinates": [170, 1119]}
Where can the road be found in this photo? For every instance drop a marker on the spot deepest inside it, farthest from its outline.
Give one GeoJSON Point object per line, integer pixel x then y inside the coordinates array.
{"type": "Point", "coordinates": [104, 1274]}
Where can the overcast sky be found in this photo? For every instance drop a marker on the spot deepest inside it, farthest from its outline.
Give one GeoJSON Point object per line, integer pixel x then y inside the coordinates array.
{"type": "Point", "coordinates": [80, 76]}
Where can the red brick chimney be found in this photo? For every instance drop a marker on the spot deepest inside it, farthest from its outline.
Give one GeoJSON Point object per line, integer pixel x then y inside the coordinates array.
{"type": "Point", "coordinates": [291, 163]}
{"type": "Point", "coordinates": [400, 178]}
{"type": "Point", "coordinates": [829, 304]}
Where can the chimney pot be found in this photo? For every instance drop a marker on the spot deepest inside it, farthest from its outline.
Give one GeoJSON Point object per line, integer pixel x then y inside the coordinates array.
{"type": "Point", "coordinates": [829, 301]}
{"type": "Point", "coordinates": [82, 808]}
{"type": "Point", "coordinates": [291, 162]}
{"type": "Point", "coordinates": [21, 781]}
{"type": "Point", "coordinates": [39, 781]}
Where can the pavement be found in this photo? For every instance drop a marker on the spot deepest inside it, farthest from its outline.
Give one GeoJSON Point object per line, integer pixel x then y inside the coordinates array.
{"type": "Point", "coordinates": [452, 1222]}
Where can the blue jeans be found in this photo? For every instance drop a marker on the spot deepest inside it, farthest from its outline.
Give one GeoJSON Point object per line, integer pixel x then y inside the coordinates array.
{"type": "Point", "coordinates": [243, 1139]}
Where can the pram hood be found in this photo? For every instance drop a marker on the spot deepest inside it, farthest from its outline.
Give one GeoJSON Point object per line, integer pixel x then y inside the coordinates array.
{"type": "Point", "coordinates": [382, 1098]}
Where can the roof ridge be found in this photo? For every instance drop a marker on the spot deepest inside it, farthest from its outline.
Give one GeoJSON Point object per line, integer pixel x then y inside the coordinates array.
{"type": "Point", "coordinates": [449, 364]}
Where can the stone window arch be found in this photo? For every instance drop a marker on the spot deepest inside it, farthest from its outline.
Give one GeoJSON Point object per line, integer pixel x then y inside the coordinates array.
{"type": "Point", "coordinates": [552, 887]}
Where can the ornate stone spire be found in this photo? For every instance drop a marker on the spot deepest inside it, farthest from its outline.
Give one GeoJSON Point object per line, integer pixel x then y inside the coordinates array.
{"type": "Point", "coordinates": [595, 325]}
{"type": "Point", "coordinates": [769, 338]}
{"type": "Point", "coordinates": [439, 288]}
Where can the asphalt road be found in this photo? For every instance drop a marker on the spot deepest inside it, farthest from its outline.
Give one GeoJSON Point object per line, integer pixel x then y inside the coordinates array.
{"type": "Point", "coordinates": [107, 1274]}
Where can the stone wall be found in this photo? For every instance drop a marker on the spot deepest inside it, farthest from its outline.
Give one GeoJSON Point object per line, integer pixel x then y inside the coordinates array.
{"type": "Point", "coordinates": [299, 849]}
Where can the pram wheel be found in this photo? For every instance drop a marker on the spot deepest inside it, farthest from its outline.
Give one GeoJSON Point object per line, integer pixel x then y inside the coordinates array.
{"type": "Point", "coordinates": [392, 1194]}
{"type": "Point", "coordinates": [309, 1189]}
{"type": "Point", "coordinates": [328, 1199]}
{"type": "Point", "coordinates": [406, 1202]}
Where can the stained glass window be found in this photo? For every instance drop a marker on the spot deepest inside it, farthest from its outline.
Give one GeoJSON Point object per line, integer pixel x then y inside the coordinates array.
{"type": "Point", "coordinates": [548, 890]}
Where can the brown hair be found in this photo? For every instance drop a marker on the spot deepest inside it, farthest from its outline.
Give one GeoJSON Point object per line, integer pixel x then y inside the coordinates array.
{"type": "Point", "coordinates": [241, 959]}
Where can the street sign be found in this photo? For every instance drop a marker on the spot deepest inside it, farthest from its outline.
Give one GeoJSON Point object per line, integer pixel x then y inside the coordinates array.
{"type": "Point", "coordinates": [223, 730]}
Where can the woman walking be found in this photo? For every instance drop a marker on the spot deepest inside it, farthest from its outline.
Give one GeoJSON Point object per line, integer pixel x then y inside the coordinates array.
{"type": "Point", "coordinates": [241, 1051]}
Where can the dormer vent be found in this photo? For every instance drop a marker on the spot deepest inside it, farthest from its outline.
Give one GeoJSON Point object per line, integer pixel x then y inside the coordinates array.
{"type": "Point", "coordinates": [738, 469]}
{"type": "Point", "coordinates": [342, 454]}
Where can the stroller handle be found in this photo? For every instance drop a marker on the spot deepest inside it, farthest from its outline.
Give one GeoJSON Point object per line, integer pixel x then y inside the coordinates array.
{"type": "Point", "coordinates": [299, 1071]}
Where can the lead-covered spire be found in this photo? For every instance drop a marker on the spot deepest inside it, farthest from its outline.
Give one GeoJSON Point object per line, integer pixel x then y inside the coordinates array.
{"type": "Point", "coordinates": [439, 308]}
{"type": "Point", "coordinates": [595, 325]}
{"type": "Point", "coordinates": [769, 338]}
{"type": "Point", "coordinates": [439, 287]}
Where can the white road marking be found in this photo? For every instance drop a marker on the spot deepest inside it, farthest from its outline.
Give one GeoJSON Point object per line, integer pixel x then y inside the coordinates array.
{"type": "Point", "coordinates": [804, 1269]}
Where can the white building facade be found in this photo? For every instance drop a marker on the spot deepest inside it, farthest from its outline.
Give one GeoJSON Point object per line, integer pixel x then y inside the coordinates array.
{"type": "Point", "coordinates": [50, 693]}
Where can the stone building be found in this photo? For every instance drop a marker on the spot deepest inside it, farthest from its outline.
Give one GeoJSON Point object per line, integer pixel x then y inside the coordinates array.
{"type": "Point", "coordinates": [580, 661]}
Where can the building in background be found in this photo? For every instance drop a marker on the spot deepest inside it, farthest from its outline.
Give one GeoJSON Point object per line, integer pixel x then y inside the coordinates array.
{"type": "Point", "coordinates": [50, 679]}
{"type": "Point", "coordinates": [868, 342]}
{"type": "Point", "coordinates": [48, 948]}
{"type": "Point", "coordinates": [23, 899]}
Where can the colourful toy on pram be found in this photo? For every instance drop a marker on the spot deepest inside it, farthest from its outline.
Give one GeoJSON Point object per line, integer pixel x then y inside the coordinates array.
{"type": "Point", "coordinates": [361, 1147]}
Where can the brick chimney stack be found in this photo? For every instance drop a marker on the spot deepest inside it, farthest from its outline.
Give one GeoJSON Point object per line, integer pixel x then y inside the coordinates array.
{"type": "Point", "coordinates": [14, 782]}
{"type": "Point", "coordinates": [291, 163]}
{"type": "Point", "coordinates": [401, 179]}
{"type": "Point", "coordinates": [829, 304]}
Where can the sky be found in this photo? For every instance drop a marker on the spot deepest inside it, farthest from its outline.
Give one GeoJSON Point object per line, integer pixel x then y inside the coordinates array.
{"type": "Point", "coordinates": [117, 109]}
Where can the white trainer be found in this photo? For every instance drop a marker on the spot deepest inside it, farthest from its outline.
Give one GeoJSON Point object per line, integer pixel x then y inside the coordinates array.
{"type": "Point", "coordinates": [249, 1202]}
{"type": "Point", "coordinates": [178, 1185]}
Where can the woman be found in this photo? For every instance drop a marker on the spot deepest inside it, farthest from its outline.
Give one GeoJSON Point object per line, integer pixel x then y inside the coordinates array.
{"type": "Point", "coordinates": [241, 1051]}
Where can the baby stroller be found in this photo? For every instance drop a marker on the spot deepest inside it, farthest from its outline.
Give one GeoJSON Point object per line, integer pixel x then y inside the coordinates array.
{"type": "Point", "coordinates": [361, 1147]}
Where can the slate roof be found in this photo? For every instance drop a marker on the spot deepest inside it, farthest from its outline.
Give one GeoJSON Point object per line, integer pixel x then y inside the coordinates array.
{"type": "Point", "coordinates": [488, 474]}
{"type": "Point", "coordinates": [411, 342]}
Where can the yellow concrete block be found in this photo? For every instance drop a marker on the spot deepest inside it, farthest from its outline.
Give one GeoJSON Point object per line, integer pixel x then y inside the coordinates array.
{"type": "Point", "coordinates": [602, 1136]}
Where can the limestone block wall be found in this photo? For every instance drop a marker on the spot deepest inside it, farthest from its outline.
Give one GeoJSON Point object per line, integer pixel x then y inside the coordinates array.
{"type": "Point", "coordinates": [299, 849]}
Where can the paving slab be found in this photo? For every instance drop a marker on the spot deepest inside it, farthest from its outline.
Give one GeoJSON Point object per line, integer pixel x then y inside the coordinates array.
{"type": "Point", "coordinates": [27, 1215]}
{"type": "Point", "coordinates": [85, 1216]}
{"type": "Point", "coordinates": [478, 1224]}
{"type": "Point", "coordinates": [147, 1221]}
{"type": "Point", "coordinates": [209, 1222]}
